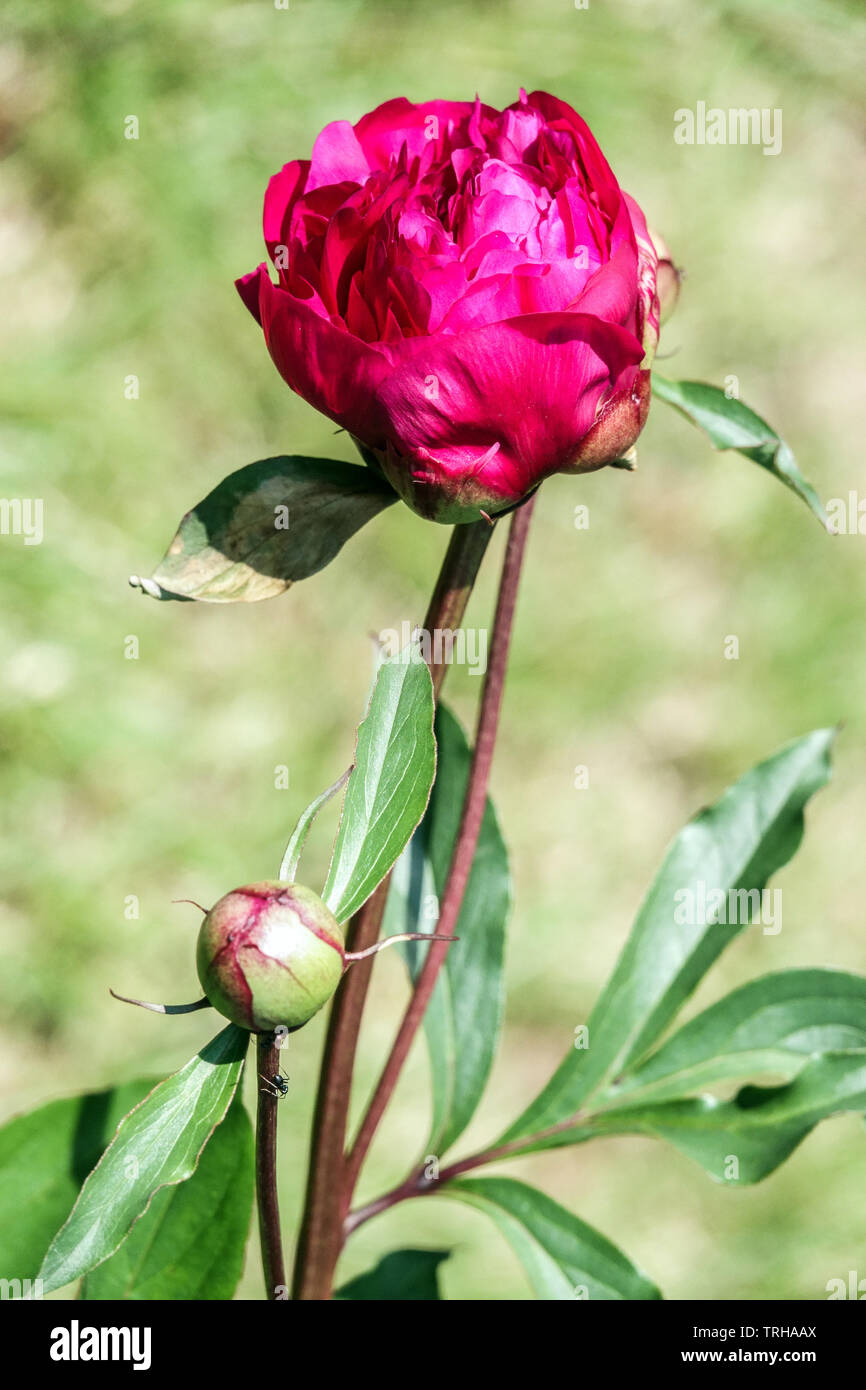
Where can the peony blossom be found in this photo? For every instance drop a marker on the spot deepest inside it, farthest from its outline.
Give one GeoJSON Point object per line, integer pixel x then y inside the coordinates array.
{"type": "Point", "coordinates": [468, 292]}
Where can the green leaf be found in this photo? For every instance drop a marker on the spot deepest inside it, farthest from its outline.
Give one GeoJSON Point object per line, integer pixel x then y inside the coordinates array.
{"type": "Point", "coordinates": [463, 1020]}
{"type": "Point", "coordinates": [563, 1257]}
{"type": "Point", "coordinates": [732, 425]}
{"type": "Point", "coordinates": [733, 846]}
{"type": "Point", "coordinates": [265, 527]}
{"type": "Point", "coordinates": [389, 787]}
{"type": "Point", "coordinates": [44, 1158]}
{"type": "Point", "coordinates": [189, 1245]}
{"type": "Point", "coordinates": [771, 1025]}
{"type": "Point", "coordinates": [292, 856]}
{"type": "Point", "coordinates": [401, 1277]}
{"type": "Point", "coordinates": [742, 1140]}
{"type": "Point", "coordinates": [158, 1143]}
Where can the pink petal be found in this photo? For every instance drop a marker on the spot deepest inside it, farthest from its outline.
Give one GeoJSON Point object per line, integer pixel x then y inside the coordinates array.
{"type": "Point", "coordinates": [332, 370]}
{"type": "Point", "coordinates": [532, 386]}
{"type": "Point", "coordinates": [281, 195]}
{"type": "Point", "coordinates": [337, 157]}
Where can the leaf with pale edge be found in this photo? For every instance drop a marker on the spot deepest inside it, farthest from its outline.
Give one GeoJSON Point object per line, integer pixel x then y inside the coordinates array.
{"type": "Point", "coordinates": [189, 1245]}
{"type": "Point", "coordinates": [45, 1156]}
{"type": "Point", "coordinates": [157, 1144]}
{"type": "Point", "coordinates": [731, 847]}
{"type": "Point", "coordinates": [464, 1017]}
{"type": "Point", "coordinates": [742, 1140]}
{"type": "Point", "coordinates": [265, 527]}
{"type": "Point", "coordinates": [730, 424]}
{"type": "Point", "coordinates": [564, 1258]}
{"type": "Point", "coordinates": [389, 787]}
{"type": "Point", "coordinates": [770, 1026]}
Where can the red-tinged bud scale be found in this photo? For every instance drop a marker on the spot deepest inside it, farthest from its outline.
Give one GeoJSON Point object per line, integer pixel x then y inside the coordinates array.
{"type": "Point", "coordinates": [668, 278]}
{"type": "Point", "coordinates": [270, 955]}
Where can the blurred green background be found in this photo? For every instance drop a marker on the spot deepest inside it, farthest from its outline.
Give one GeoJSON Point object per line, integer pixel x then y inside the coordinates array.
{"type": "Point", "coordinates": [154, 777]}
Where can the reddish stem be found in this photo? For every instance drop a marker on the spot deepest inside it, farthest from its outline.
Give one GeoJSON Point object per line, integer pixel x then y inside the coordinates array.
{"type": "Point", "coordinates": [467, 839]}
{"type": "Point", "coordinates": [268, 1064]}
{"type": "Point", "coordinates": [417, 1185]}
{"type": "Point", "coordinates": [327, 1197]}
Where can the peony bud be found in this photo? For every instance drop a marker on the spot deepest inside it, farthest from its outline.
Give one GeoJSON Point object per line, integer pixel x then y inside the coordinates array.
{"type": "Point", "coordinates": [668, 278]}
{"type": "Point", "coordinates": [270, 954]}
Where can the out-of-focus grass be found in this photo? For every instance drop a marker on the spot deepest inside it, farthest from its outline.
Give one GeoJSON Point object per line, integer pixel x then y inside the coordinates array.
{"type": "Point", "coordinates": [154, 777]}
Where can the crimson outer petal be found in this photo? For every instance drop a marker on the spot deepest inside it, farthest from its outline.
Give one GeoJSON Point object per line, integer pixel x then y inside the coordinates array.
{"type": "Point", "coordinates": [329, 367]}
{"type": "Point", "coordinates": [477, 419]}
{"type": "Point", "coordinates": [467, 421]}
{"type": "Point", "coordinates": [648, 298]}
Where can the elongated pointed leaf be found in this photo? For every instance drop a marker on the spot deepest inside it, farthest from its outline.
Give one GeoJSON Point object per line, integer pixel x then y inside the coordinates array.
{"type": "Point", "coordinates": [401, 1277]}
{"type": "Point", "coordinates": [389, 787]}
{"type": "Point", "coordinates": [44, 1158]}
{"type": "Point", "coordinates": [157, 1144]}
{"type": "Point", "coordinates": [464, 1017]}
{"type": "Point", "coordinates": [265, 527]}
{"type": "Point", "coordinates": [563, 1257]}
{"type": "Point", "coordinates": [291, 858]}
{"type": "Point", "coordinates": [730, 424]}
{"type": "Point", "coordinates": [730, 848]}
{"type": "Point", "coordinates": [770, 1025]}
{"type": "Point", "coordinates": [190, 1242]}
{"type": "Point", "coordinates": [744, 1139]}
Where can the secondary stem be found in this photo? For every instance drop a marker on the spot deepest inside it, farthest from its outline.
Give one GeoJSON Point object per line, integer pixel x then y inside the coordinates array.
{"type": "Point", "coordinates": [268, 1064]}
{"type": "Point", "coordinates": [416, 1185]}
{"type": "Point", "coordinates": [327, 1198]}
{"type": "Point", "coordinates": [467, 840]}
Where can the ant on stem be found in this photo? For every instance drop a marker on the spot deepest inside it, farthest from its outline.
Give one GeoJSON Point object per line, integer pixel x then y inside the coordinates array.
{"type": "Point", "coordinates": [277, 1085]}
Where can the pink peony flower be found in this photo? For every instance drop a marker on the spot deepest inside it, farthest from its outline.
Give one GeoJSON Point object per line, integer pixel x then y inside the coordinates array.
{"type": "Point", "coordinates": [468, 292]}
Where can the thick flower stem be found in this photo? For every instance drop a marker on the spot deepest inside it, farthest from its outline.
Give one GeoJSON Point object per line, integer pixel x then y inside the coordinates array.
{"type": "Point", "coordinates": [320, 1239]}
{"type": "Point", "coordinates": [328, 1196]}
{"type": "Point", "coordinates": [268, 1064]}
{"type": "Point", "coordinates": [467, 839]}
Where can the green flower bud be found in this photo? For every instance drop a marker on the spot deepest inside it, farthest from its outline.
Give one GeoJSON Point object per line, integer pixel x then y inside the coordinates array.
{"type": "Point", "coordinates": [270, 955]}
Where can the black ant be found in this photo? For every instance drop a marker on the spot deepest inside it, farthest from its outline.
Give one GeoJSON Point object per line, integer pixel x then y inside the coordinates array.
{"type": "Point", "coordinates": [277, 1085]}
